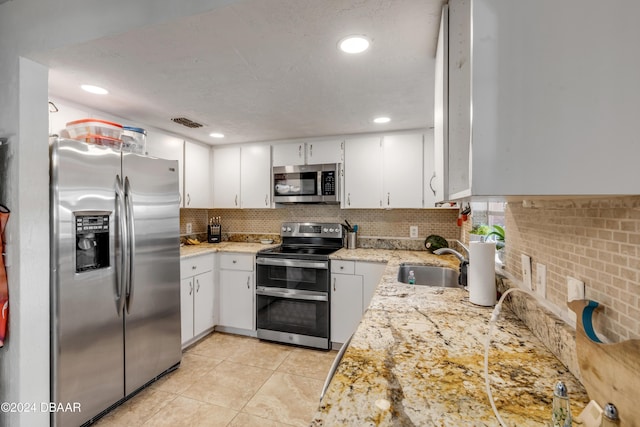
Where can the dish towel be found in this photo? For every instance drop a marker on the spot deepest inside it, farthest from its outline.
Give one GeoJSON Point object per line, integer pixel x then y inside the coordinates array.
{"type": "Point", "coordinates": [4, 287]}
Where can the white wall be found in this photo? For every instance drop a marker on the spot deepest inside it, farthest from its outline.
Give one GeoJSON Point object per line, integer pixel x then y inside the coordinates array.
{"type": "Point", "coordinates": [28, 27]}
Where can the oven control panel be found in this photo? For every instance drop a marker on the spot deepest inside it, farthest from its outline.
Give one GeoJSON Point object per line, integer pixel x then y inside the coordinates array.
{"type": "Point", "coordinates": [311, 229]}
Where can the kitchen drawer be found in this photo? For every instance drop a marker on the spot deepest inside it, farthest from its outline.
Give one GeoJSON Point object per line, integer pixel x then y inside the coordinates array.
{"type": "Point", "coordinates": [235, 261]}
{"type": "Point", "coordinates": [195, 265]}
{"type": "Point", "coordinates": [343, 267]}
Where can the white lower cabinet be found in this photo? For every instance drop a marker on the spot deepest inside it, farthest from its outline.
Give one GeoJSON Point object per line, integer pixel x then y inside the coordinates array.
{"type": "Point", "coordinates": [237, 293]}
{"type": "Point", "coordinates": [371, 273]}
{"type": "Point", "coordinates": [197, 303]}
{"type": "Point", "coordinates": [346, 306]}
{"type": "Point", "coordinates": [353, 284]}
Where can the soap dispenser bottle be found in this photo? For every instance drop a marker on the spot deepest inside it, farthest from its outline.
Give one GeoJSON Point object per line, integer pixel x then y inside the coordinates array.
{"type": "Point", "coordinates": [561, 411]}
{"type": "Point", "coordinates": [412, 278]}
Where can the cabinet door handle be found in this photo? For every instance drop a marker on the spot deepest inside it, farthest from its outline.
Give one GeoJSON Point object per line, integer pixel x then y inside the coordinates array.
{"type": "Point", "coordinates": [193, 267]}
{"type": "Point", "coordinates": [236, 200]}
{"type": "Point", "coordinates": [188, 199]}
{"type": "Point", "coordinates": [190, 288]}
{"type": "Point", "coordinates": [334, 284]}
{"type": "Point", "coordinates": [234, 261]}
{"type": "Point", "coordinates": [310, 150]}
{"type": "Point", "coordinates": [266, 200]}
{"type": "Point", "coordinates": [431, 186]}
{"type": "Point", "coordinates": [388, 199]}
{"type": "Point", "coordinates": [349, 199]}
{"type": "Point", "coordinates": [300, 150]}
{"type": "Point", "coordinates": [198, 287]}
{"type": "Point", "coordinates": [248, 282]}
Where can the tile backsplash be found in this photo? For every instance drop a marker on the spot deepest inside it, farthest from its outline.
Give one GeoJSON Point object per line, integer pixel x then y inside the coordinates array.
{"type": "Point", "coordinates": [594, 240]}
{"type": "Point", "coordinates": [393, 223]}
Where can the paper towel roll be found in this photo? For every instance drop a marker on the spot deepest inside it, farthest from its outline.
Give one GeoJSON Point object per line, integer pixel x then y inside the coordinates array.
{"type": "Point", "coordinates": [481, 280]}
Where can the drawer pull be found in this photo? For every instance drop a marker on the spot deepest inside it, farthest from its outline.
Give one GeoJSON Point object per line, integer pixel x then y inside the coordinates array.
{"type": "Point", "coordinates": [193, 267]}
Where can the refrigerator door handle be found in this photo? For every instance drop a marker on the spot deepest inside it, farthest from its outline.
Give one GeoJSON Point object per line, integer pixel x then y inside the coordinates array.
{"type": "Point", "coordinates": [131, 243]}
{"type": "Point", "coordinates": [121, 275]}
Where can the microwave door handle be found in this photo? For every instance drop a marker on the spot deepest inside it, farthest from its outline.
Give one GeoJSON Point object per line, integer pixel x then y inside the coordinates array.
{"type": "Point", "coordinates": [128, 202]}
{"type": "Point", "coordinates": [121, 247]}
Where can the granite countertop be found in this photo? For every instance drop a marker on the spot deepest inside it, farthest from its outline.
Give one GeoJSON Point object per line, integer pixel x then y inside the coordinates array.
{"type": "Point", "coordinates": [187, 251]}
{"type": "Point", "coordinates": [417, 359]}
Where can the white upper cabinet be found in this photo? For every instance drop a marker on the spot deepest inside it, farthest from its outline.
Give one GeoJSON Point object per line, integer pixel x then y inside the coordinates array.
{"type": "Point", "coordinates": [362, 177]}
{"type": "Point", "coordinates": [226, 177]}
{"type": "Point", "coordinates": [554, 111]}
{"type": "Point", "coordinates": [311, 153]}
{"type": "Point", "coordinates": [171, 148]}
{"type": "Point", "coordinates": [255, 176]}
{"type": "Point", "coordinates": [430, 184]}
{"type": "Point", "coordinates": [197, 178]}
{"type": "Point", "coordinates": [383, 172]}
{"type": "Point", "coordinates": [436, 168]}
{"type": "Point", "coordinates": [402, 171]}
{"type": "Point", "coordinates": [323, 152]}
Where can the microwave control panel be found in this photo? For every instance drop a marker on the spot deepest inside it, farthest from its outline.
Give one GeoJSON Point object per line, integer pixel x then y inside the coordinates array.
{"type": "Point", "coordinates": [328, 183]}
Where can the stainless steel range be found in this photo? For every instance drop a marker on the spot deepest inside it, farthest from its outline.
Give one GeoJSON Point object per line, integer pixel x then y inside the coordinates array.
{"type": "Point", "coordinates": [292, 285]}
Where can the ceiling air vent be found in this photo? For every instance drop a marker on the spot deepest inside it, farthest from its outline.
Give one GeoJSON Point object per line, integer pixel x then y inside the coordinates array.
{"type": "Point", "coordinates": [186, 122]}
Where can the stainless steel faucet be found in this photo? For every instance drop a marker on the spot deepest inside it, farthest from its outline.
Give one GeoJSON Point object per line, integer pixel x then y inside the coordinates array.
{"type": "Point", "coordinates": [464, 262]}
{"type": "Point", "coordinates": [458, 255]}
{"type": "Point", "coordinates": [443, 251]}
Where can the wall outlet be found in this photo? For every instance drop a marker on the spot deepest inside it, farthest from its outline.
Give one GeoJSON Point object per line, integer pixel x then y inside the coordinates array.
{"type": "Point", "coordinates": [189, 228]}
{"type": "Point", "coordinates": [541, 280]}
{"type": "Point", "coordinates": [413, 231]}
{"type": "Point", "coordinates": [526, 271]}
{"type": "Point", "coordinates": [575, 290]}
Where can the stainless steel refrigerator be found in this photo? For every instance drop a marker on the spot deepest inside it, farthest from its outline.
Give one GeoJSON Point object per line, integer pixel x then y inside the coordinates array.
{"type": "Point", "coordinates": [115, 275]}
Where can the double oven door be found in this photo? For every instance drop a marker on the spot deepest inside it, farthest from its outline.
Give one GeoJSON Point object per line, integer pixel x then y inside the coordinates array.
{"type": "Point", "coordinates": [292, 301]}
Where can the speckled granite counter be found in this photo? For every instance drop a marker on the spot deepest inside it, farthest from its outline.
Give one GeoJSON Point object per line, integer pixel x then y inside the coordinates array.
{"type": "Point", "coordinates": [417, 359]}
{"type": "Point", "coordinates": [187, 251]}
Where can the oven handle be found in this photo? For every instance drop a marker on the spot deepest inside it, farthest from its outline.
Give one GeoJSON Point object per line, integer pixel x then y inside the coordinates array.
{"type": "Point", "coordinates": [291, 294]}
{"type": "Point", "coordinates": [317, 265]}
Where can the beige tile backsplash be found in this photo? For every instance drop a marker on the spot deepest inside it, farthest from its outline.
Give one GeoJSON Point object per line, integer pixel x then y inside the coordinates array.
{"type": "Point", "coordinates": [371, 223]}
{"type": "Point", "coordinates": [594, 240]}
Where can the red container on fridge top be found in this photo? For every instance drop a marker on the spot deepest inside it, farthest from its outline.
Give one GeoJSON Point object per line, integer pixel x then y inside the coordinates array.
{"type": "Point", "coordinates": [96, 131]}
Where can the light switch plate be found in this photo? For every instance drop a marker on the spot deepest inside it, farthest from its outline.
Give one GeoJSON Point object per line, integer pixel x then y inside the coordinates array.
{"type": "Point", "coordinates": [541, 280]}
{"type": "Point", "coordinates": [526, 271]}
{"type": "Point", "coordinates": [575, 289]}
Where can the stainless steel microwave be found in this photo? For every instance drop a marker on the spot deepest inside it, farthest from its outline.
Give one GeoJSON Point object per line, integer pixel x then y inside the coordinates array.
{"type": "Point", "coordinates": [307, 183]}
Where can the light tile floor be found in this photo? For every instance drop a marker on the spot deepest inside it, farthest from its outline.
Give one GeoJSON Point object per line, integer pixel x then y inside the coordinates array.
{"type": "Point", "coordinates": [229, 380]}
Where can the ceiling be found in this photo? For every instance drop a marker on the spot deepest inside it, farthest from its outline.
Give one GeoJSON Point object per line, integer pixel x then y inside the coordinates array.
{"type": "Point", "coordinates": [263, 70]}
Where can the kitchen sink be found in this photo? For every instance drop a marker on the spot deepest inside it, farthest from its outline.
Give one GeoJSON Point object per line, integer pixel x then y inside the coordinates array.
{"type": "Point", "coordinates": [429, 275]}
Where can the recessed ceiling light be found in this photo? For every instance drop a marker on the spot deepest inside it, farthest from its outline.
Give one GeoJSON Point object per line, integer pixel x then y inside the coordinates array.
{"type": "Point", "coordinates": [354, 44]}
{"type": "Point", "coordinates": [95, 89]}
{"type": "Point", "coordinates": [381, 120]}
{"type": "Point", "coordinates": [216, 135]}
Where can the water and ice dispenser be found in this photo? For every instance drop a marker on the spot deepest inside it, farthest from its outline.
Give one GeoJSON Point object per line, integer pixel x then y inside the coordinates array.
{"type": "Point", "coordinates": [92, 240]}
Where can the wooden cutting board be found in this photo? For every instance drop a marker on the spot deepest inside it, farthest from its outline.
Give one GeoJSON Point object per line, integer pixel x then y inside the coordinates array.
{"type": "Point", "coordinates": [610, 372]}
